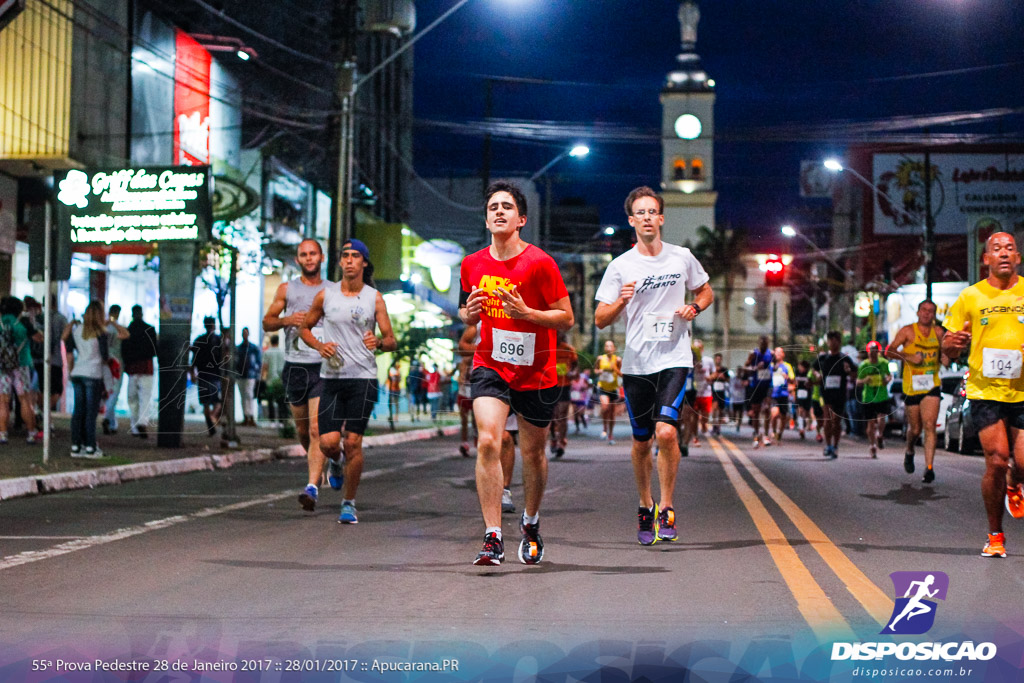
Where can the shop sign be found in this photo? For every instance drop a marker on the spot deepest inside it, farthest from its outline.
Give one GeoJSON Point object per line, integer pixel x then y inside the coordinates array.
{"type": "Point", "coordinates": [191, 101]}
{"type": "Point", "coordinates": [134, 205]}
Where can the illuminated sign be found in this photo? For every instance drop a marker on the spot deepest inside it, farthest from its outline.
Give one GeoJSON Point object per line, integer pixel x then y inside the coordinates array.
{"type": "Point", "coordinates": [191, 101]}
{"type": "Point", "coordinates": [134, 205]}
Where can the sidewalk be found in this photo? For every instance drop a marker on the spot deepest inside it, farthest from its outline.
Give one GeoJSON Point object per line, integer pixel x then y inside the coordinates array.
{"type": "Point", "coordinates": [126, 457]}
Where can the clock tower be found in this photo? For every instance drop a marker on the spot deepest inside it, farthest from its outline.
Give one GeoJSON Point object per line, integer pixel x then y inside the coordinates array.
{"type": "Point", "coordinates": [687, 139]}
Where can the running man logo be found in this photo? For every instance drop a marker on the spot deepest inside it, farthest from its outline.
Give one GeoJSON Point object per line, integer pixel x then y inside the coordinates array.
{"type": "Point", "coordinates": [914, 613]}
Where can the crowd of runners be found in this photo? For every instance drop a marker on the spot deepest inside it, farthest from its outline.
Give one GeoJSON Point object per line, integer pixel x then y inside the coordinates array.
{"type": "Point", "coordinates": [520, 383]}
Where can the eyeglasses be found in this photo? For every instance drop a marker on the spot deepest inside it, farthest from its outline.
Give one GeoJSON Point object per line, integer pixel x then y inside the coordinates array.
{"type": "Point", "coordinates": [649, 212]}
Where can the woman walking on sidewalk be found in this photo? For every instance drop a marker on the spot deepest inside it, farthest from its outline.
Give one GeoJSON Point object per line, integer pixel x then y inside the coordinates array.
{"type": "Point", "coordinates": [86, 343]}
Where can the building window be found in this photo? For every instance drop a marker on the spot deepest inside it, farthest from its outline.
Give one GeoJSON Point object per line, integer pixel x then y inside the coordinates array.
{"type": "Point", "coordinates": [678, 169]}
{"type": "Point", "coordinates": [697, 169]}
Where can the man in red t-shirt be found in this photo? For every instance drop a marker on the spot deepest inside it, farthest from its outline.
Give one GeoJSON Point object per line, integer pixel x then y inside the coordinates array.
{"type": "Point", "coordinates": [516, 294]}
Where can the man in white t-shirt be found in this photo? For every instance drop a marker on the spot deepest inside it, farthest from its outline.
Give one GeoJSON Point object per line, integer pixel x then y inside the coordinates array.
{"type": "Point", "coordinates": [649, 282]}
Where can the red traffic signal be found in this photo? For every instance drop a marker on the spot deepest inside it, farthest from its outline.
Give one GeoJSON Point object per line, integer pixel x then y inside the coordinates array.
{"type": "Point", "coordinates": [774, 272]}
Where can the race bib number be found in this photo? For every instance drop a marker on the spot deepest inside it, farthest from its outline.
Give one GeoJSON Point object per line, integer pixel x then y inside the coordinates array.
{"type": "Point", "coordinates": [718, 386]}
{"type": "Point", "coordinates": [925, 382]}
{"type": "Point", "coordinates": [801, 394]}
{"type": "Point", "coordinates": [575, 395]}
{"type": "Point", "coordinates": [318, 334]}
{"type": "Point", "coordinates": [658, 327]}
{"type": "Point", "coordinates": [514, 348]}
{"type": "Point", "coordinates": [764, 374]}
{"type": "Point", "coordinates": [1000, 364]}
{"type": "Point", "coordinates": [606, 377]}
{"type": "Point", "coordinates": [778, 380]}
{"type": "Point", "coordinates": [834, 382]}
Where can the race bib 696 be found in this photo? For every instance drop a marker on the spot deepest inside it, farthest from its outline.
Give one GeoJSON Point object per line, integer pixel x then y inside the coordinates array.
{"type": "Point", "coordinates": [514, 348]}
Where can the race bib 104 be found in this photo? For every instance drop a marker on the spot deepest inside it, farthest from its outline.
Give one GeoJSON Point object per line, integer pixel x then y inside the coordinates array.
{"type": "Point", "coordinates": [659, 327]}
{"type": "Point", "coordinates": [514, 348]}
{"type": "Point", "coordinates": [925, 382]}
{"type": "Point", "coordinates": [1000, 363]}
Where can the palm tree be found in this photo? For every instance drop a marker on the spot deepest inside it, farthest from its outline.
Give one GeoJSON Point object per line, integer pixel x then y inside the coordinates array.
{"type": "Point", "coordinates": [720, 251]}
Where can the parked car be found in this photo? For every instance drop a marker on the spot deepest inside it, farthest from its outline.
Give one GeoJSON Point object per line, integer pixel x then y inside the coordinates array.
{"type": "Point", "coordinates": [896, 422]}
{"type": "Point", "coordinates": [961, 436]}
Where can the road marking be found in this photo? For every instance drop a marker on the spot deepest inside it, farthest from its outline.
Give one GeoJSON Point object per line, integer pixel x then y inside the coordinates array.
{"type": "Point", "coordinates": [86, 542]}
{"type": "Point", "coordinates": [874, 599]}
{"type": "Point", "coordinates": [38, 538]}
{"type": "Point", "coordinates": [817, 609]}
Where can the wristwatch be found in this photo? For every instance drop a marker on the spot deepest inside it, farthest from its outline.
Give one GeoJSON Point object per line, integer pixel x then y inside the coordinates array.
{"type": "Point", "coordinates": [696, 309]}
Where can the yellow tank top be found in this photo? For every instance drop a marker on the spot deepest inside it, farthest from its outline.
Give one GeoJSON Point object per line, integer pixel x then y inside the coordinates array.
{"type": "Point", "coordinates": [607, 377]}
{"type": "Point", "coordinates": [920, 379]}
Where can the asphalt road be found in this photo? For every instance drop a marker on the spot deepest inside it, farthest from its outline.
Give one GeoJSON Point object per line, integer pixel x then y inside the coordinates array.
{"type": "Point", "coordinates": [780, 554]}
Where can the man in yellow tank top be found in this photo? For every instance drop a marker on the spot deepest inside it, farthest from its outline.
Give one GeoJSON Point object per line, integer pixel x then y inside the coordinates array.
{"type": "Point", "coordinates": [988, 318]}
{"type": "Point", "coordinates": [918, 347]}
{"type": "Point", "coordinates": [609, 377]}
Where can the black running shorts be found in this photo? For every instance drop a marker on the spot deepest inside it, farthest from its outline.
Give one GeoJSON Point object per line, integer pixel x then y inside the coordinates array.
{"type": "Point", "coordinates": [915, 399]}
{"type": "Point", "coordinates": [986, 413]}
{"type": "Point", "coordinates": [536, 406]}
{"type": "Point", "coordinates": [208, 384]}
{"type": "Point", "coordinates": [346, 403]}
{"type": "Point", "coordinates": [301, 382]}
{"type": "Point", "coordinates": [877, 409]}
{"type": "Point", "coordinates": [654, 398]}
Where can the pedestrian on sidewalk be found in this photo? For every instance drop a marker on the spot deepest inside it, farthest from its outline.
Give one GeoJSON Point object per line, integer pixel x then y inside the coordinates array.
{"type": "Point", "coordinates": [15, 367]}
{"type": "Point", "coordinates": [113, 376]}
{"type": "Point", "coordinates": [205, 369]}
{"type": "Point", "coordinates": [248, 362]}
{"type": "Point", "coordinates": [270, 373]}
{"type": "Point", "coordinates": [86, 342]}
{"type": "Point", "coordinates": [138, 351]}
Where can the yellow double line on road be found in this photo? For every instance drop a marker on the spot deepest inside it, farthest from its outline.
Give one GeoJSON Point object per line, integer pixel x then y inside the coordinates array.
{"type": "Point", "coordinates": [813, 603]}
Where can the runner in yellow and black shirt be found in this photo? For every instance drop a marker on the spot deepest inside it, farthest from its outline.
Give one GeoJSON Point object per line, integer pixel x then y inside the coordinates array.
{"type": "Point", "coordinates": [988, 318]}
{"type": "Point", "coordinates": [917, 346]}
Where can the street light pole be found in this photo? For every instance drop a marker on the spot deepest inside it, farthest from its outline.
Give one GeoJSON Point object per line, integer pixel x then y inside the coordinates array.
{"type": "Point", "coordinates": [348, 84]}
{"type": "Point", "coordinates": [577, 151]}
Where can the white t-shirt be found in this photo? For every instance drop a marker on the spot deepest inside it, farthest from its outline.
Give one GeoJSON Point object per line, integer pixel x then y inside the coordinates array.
{"type": "Point", "coordinates": [656, 338]}
{"type": "Point", "coordinates": [702, 370]}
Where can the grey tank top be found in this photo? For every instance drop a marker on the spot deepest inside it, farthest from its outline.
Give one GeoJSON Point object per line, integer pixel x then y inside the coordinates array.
{"type": "Point", "coordinates": [346, 319]}
{"type": "Point", "coordinates": [299, 297]}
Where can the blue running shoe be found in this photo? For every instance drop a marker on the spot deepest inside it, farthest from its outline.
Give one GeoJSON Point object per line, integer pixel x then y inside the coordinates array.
{"type": "Point", "coordinates": [667, 524]}
{"type": "Point", "coordinates": [335, 473]}
{"type": "Point", "coordinates": [348, 514]}
{"type": "Point", "coordinates": [307, 499]}
{"type": "Point", "coordinates": [647, 529]}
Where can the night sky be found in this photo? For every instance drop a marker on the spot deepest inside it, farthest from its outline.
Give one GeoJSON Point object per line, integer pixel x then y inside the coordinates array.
{"type": "Point", "coordinates": [800, 72]}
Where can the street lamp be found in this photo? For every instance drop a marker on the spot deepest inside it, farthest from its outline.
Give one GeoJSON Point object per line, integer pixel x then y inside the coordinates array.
{"type": "Point", "coordinates": [790, 232]}
{"type": "Point", "coordinates": [836, 166]}
{"type": "Point", "coordinates": [577, 152]}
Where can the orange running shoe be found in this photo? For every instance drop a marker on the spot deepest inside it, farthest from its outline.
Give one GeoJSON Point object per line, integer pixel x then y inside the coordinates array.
{"type": "Point", "coordinates": [996, 546]}
{"type": "Point", "coordinates": [1015, 501]}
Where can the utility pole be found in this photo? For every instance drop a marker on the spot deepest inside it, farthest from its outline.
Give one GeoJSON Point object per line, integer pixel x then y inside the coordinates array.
{"type": "Point", "coordinates": [342, 129]}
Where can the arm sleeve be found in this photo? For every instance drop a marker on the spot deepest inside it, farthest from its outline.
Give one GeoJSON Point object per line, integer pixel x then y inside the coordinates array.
{"type": "Point", "coordinates": [611, 285]}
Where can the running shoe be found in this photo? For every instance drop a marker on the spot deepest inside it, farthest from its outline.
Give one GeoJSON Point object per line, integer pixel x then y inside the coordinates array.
{"type": "Point", "coordinates": [93, 453]}
{"type": "Point", "coordinates": [307, 499]}
{"type": "Point", "coordinates": [667, 524]}
{"type": "Point", "coordinates": [696, 442]}
{"type": "Point", "coordinates": [611, 442]}
{"type": "Point", "coordinates": [76, 451]}
{"type": "Point", "coordinates": [819, 438]}
{"type": "Point", "coordinates": [874, 453]}
{"type": "Point", "coordinates": [881, 444]}
{"type": "Point", "coordinates": [684, 451]}
{"type": "Point", "coordinates": [647, 528]}
{"type": "Point", "coordinates": [493, 552]}
{"type": "Point", "coordinates": [335, 473]}
{"type": "Point", "coordinates": [531, 548]}
{"type": "Point", "coordinates": [559, 452]}
{"type": "Point", "coordinates": [3, 437]}
{"type": "Point", "coordinates": [464, 449]}
{"type": "Point", "coordinates": [1015, 501]}
{"type": "Point", "coordinates": [757, 442]}
{"type": "Point", "coordinates": [996, 546]}
{"type": "Point", "coordinates": [908, 463]}
{"type": "Point", "coordinates": [604, 435]}
{"type": "Point", "coordinates": [929, 476]}
{"type": "Point", "coordinates": [802, 435]}
{"type": "Point", "coordinates": [348, 514]}
{"type": "Point", "coordinates": [506, 501]}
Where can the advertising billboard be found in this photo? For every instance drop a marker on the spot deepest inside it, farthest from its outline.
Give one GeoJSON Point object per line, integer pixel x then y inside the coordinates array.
{"type": "Point", "coordinates": [134, 205]}
{"type": "Point", "coordinates": [191, 101]}
{"type": "Point", "coordinates": [969, 192]}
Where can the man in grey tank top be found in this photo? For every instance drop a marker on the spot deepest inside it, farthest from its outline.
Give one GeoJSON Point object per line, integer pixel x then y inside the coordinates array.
{"type": "Point", "coordinates": [301, 373]}
{"type": "Point", "coordinates": [349, 312]}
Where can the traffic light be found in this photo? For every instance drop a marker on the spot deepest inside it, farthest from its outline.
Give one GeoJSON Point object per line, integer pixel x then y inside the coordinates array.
{"type": "Point", "coordinates": [774, 272]}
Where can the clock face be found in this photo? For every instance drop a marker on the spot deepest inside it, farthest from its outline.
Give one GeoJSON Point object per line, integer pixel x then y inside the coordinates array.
{"type": "Point", "coordinates": [688, 127]}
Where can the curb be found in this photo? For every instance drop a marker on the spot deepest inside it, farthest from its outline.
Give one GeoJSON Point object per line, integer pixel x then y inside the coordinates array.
{"type": "Point", "coordinates": [105, 476]}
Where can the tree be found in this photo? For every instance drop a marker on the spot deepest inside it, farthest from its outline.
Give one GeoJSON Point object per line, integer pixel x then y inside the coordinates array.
{"type": "Point", "coordinates": [720, 251]}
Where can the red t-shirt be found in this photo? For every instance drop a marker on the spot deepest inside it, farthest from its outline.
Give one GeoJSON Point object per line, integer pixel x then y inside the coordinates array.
{"type": "Point", "coordinates": [540, 283]}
